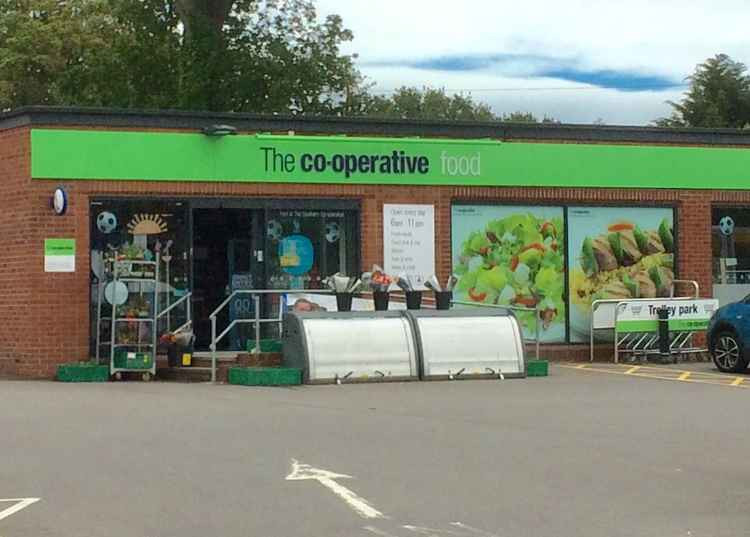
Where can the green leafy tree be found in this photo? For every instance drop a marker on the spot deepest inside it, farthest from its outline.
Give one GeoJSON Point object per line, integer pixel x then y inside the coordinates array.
{"type": "Point", "coordinates": [53, 52]}
{"type": "Point", "coordinates": [413, 103]}
{"type": "Point", "coordinates": [526, 117]}
{"type": "Point", "coordinates": [250, 55]}
{"type": "Point", "coordinates": [719, 96]}
{"type": "Point", "coordinates": [263, 56]}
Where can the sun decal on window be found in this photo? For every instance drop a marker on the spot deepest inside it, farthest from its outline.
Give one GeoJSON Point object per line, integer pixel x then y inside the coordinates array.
{"type": "Point", "coordinates": [147, 224]}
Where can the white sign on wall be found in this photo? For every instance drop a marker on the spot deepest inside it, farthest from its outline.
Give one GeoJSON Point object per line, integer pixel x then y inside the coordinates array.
{"type": "Point", "coordinates": [409, 241]}
{"type": "Point", "coordinates": [59, 255]}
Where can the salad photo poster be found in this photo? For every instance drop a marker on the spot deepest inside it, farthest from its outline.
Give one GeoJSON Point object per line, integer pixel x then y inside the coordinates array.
{"type": "Point", "coordinates": [511, 255]}
{"type": "Point", "coordinates": [617, 252]}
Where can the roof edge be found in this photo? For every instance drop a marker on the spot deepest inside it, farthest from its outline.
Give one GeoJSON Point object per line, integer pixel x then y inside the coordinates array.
{"type": "Point", "coordinates": [50, 116]}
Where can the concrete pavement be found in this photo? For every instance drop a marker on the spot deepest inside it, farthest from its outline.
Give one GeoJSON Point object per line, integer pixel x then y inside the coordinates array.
{"type": "Point", "coordinates": [575, 454]}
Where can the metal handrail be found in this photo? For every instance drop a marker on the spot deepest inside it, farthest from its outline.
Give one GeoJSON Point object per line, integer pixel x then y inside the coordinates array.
{"type": "Point", "coordinates": [255, 293]}
{"type": "Point", "coordinates": [689, 282]}
{"type": "Point", "coordinates": [687, 337]}
{"type": "Point", "coordinates": [184, 298]}
{"type": "Point", "coordinates": [268, 292]}
{"type": "Point", "coordinates": [596, 303]}
{"type": "Point", "coordinates": [535, 310]}
{"type": "Point", "coordinates": [257, 321]}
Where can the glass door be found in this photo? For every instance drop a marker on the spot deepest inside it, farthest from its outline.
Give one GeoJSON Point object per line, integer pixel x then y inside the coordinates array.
{"type": "Point", "coordinates": [227, 257]}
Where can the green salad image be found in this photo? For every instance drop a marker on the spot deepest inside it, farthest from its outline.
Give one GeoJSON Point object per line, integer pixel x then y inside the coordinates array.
{"type": "Point", "coordinates": [515, 261]}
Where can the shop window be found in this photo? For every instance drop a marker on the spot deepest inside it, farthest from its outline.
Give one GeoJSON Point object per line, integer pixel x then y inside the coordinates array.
{"type": "Point", "coordinates": [305, 246]}
{"type": "Point", "coordinates": [521, 256]}
{"type": "Point", "coordinates": [512, 256]}
{"type": "Point", "coordinates": [138, 229]}
{"type": "Point", "coordinates": [730, 245]}
{"type": "Point", "coordinates": [617, 253]}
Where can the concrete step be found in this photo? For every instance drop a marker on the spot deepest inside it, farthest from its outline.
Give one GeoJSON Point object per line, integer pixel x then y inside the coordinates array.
{"type": "Point", "coordinates": [185, 374]}
{"type": "Point", "coordinates": [200, 371]}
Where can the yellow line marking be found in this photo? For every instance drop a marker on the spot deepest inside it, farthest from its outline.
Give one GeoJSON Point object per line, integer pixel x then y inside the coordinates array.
{"type": "Point", "coordinates": [622, 368]}
{"type": "Point", "coordinates": [684, 376]}
{"type": "Point", "coordinates": [582, 366]}
{"type": "Point", "coordinates": [715, 379]}
{"type": "Point", "coordinates": [632, 370]}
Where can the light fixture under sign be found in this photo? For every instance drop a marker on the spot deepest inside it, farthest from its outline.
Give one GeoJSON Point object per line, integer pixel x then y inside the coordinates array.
{"type": "Point", "coordinates": [219, 130]}
{"type": "Point", "coordinates": [59, 201]}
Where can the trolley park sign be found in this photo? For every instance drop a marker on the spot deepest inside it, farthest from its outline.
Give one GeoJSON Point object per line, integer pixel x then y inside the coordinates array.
{"type": "Point", "coordinates": [159, 156]}
{"type": "Point", "coordinates": [684, 315]}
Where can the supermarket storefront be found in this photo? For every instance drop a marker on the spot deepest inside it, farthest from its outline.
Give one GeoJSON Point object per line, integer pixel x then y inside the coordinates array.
{"type": "Point", "coordinates": [209, 247]}
{"type": "Point", "coordinates": [521, 219]}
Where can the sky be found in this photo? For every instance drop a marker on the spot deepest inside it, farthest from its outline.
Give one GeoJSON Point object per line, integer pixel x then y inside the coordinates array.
{"type": "Point", "coordinates": [578, 61]}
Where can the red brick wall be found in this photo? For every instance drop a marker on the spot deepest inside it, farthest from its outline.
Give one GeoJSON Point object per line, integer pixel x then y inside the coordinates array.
{"type": "Point", "coordinates": [15, 270]}
{"type": "Point", "coordinates": [47, 315]}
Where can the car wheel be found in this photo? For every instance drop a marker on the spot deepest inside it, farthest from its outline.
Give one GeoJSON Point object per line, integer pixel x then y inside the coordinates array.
{"type": "Point", "coordinates": [728, 354]}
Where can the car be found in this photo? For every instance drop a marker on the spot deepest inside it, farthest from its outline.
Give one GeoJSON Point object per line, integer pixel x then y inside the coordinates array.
{"type": "Point", "coordinates": [729, 336]}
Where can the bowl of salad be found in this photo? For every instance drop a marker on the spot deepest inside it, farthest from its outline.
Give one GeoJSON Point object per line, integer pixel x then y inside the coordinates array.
{"type": "Point", "coordinates": [517, 261]}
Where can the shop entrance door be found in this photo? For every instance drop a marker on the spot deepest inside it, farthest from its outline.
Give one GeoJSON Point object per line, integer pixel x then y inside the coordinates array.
{"type": "Point", "coordinates": [227, 257]}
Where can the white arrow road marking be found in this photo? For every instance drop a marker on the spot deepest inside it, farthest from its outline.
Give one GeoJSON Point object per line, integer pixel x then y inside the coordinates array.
{"type": "Point", "coordinates": [475, 530]}
{"type": "Point", "coordinates": [376, 531]}
{"type": "Point", "coordinates": [465, 531]}
{"type": "Point", "coordinates": [20, 503]}
{"type": "Point", "coordinates": [327, 479]}
{"type": "Point", "coordinates": [430, 532]}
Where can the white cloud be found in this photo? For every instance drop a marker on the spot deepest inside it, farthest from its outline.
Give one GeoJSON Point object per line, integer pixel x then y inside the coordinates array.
{"type": "Point", "coordinates": [662, 38]}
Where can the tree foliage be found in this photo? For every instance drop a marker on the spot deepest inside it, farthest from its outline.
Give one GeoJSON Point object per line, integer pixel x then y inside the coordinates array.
{"type": "Point", "coordinates": [262, 56]}
{"type": "Point", "coordinates": [526, 117]}
{"type": "Point", "coordinates": [413, 103]}
{"type": "Point", "coordinates": [53, 52]}
{"type": "Point", "coordinates": [430, 104]}
{"type": "Point", "coordinates": [250, 55]}
{"type": "Point", "coordinates": [719, 96]}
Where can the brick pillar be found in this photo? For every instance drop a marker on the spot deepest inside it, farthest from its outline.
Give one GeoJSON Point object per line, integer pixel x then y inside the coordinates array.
{"type": "Point", "coordinates": [443, 261]}
{"type": "Point", "coordinates": [371, 235]}
{"type": "Point", "coordinates": [694, 240]}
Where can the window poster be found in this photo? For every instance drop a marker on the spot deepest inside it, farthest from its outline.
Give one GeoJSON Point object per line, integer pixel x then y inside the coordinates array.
{"type": "Point", "coordinates": [617, 253]}
{"type": "Point", "coordinates": [512, 256]}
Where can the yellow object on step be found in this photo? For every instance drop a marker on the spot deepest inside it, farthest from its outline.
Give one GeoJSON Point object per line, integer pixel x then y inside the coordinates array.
{"type": "Point", "coordinates": [187, 359]}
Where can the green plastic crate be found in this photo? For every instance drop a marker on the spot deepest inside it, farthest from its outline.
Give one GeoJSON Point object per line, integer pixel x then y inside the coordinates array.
{"type": "Point", "coordinates": [266, 345]}
{"type": "Point", "coordinates": [82, 373]}
{"type": "Point", "coordinates": [265, 376]}
{"type": "Point", "coordinates": [133, 360]}
{"type": "Point", "coordinates": [537, 368]}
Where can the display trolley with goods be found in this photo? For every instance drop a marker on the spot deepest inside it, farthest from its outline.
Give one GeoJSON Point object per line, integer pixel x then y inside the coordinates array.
{"type": "Point", "coordinates": [133, 294]}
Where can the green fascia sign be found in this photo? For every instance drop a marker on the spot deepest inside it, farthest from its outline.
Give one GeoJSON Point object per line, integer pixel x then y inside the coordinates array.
{"type": "Point", "coordinates": [151, 156]}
